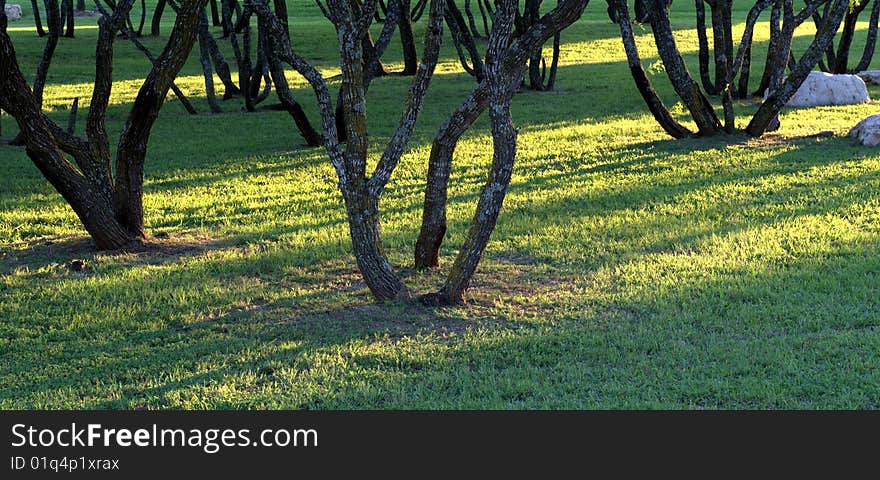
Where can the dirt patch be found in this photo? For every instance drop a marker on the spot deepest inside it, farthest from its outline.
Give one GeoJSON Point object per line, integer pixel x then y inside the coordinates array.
{"type": "Point", "coordinates": [777, 140]}
{"type": "Point", "coordinates": [79, 252]}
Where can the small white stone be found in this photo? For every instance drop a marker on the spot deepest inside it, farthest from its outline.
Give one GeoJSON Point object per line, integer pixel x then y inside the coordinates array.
{"type": "Point", "coordinates": [13, 12]}
{"type": "Point", "coordinates": [867, 131]}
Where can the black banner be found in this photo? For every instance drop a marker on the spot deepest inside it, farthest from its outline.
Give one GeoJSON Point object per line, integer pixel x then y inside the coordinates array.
{"type": "Point", "coordinates": [129, 444]}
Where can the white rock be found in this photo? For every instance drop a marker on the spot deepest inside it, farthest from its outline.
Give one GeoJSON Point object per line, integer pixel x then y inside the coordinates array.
{"type": "Point", "coordinates": [821, 89]}
{"type": "Point", "coordinates": [867, 131]}
{"type": "Point", "coordinates": [871, 77]}
{"type": "Point", "coordinates": [13, 12]}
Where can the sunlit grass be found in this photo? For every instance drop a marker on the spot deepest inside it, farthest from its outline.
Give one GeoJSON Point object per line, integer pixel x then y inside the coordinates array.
{"type": "Point", "coordinates": [627, 269]}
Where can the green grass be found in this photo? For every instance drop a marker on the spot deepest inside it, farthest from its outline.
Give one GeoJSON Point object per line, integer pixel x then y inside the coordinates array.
{"type": "Point", "coordinates": [627, 270]}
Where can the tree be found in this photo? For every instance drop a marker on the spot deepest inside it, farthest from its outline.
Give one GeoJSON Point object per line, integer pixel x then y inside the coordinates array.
{"type": "Point", "coordinates": [109, 206]}
{"type": "Point", "coordinates": [361, 192]}
{"type": "Point", "coordinates": [780, 88]}
{"type": "Point", "coordinates": [837, 61]}
{"type": "Point", "coordinates": [434, 225]}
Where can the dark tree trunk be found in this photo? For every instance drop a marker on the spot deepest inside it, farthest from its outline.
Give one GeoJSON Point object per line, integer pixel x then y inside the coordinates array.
{"type": "Point", "coordinates": [282, 88]}
{"type": "Point", "coordinates": [742, 88]}
{"type": "Point", "coordinates": [93, 209]}
{"type": "Point", "coordinates": [871, 40]}
{"type": "Point", "coordinates": [205, 60]}
{"type": "Point", "coordinates": [113, 217]}
{"type": "Point", "coordinates": [846, 37]}
{"type": "Point", "coordinates": [688, 91]}
{"type": "Point", "coordinates": [463, 40]}
{"type": "Point", "coordinates": [81, 5]}
{"type": "Point", "coordinates": [643, 82]}
{"type": "Point", "coordinates": [157, 17]}
{"type": "Point", "coordinates": [37, 21]}
{"type": "Point", "coordinates": [703, 48]}
{"type": "Point", "coordinates": [361, 192]}
{"type": "Point", "coordinates": [773, 48]}
{"type": "Point", "coordinates": [779, 95]}
{"type": "Point", "coordinates": [67, 11]}
{"type": "Point", "coordinates": [433, 226]}
{"type": "Point", "coordinates": [410, 57]}
{"type": "Point", "coordinates": [143, 20]}
{"type": "Point", "coordinates": [215, 13]}
{"type": "Point", "coordinates": [132, 147]}
{"type": "Point", "coordinates": [472, 24]}
{"type": "Point", "coordinates": [53, 22]}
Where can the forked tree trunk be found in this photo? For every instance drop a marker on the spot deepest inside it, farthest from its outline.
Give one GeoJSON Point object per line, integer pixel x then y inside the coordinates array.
{"type": "Point", "coordinates": [504, 137]}
{"type": "Point", "coordinates": [767, 113]}
{"type": "Point", "coordinates": [501, 88]}
{"type": "Point", "coordinates": [464, 41]}
{"type": "Point", "coordinates": [434, 223]}
{"type": "Point", "coordinates": [642, 81]}
{"type": "Point", "coordinates": [113, 217]}
{"type": "Point", "coordinates": [870, 41]}
{"type": "Point", "coordinates": [688, 91]}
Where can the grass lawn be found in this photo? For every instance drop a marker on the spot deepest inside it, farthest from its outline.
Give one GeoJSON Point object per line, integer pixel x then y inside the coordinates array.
{"type": "Point", "coordinates": [627, 270]}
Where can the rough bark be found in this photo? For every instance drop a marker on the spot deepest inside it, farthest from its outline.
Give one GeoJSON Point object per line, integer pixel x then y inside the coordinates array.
{"type": "Point", "coordinates": [504, 137]}
{"type": "Point", "coordinates": [361, 192]}
{"type": "Point", "coordinates": [689, 92]}
{"type": "Point", "coordinates": [86, 182]}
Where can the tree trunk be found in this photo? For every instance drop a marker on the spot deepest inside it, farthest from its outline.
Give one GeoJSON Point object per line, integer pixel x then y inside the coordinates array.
{"type": "Point", "coordinates": [205, 60]}
{"type": "Point", "coordinates": [870, 41]}
{"type": "Point", "coordinates": [93, 209]}
{"type": "Point", "coordinates": [643, 82]}
{"type": "Point", "coordinates": [410, 57]}
{"type": "Point", "coordinates": [433, 229]}
{"type": "Point", "coordinates": [690, 93]}
{"type": "Point", "coordinates": [363, 222]}
{"type": "Point", "coordinates": [773, 50]}
{"type": "Point", "coordinates": [132, 147]}
{"type": "Point", "coordinates": [67, 9]}
{"type": "Point", "coordinates": [464, 40]}
{"type": "Point", "coordinates": [157, 17]}
{"type": "Point", "coordinates": [53, 22]}
{"type": "Point", "coordinates": [769, 110]}
{"type": "Point", "coordinates": [35, 7]}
